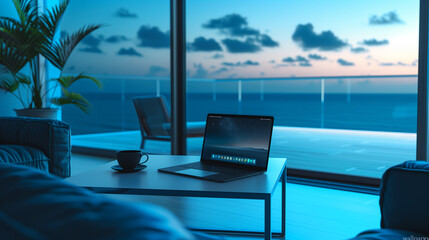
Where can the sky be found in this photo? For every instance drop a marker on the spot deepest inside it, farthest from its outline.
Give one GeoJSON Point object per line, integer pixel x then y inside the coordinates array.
{"type": "Point", "coordinates": [230, 39]}
{"type": "Point", "coordinates": [251, 39]}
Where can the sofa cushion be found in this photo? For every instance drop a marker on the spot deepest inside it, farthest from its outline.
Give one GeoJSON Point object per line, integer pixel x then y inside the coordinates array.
{"type": "Point", "coordinates": [23, 155]}
{"type": "Point", "coordinates": [383, 234]}
{"type": "Point", "coordinates": [34, 205]}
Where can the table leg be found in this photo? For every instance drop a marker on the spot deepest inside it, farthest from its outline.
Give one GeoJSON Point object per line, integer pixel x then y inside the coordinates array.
{"type": "Point", "coordinates": [268, 233]}
{"type": "Point", "coordinates": [283, 232]}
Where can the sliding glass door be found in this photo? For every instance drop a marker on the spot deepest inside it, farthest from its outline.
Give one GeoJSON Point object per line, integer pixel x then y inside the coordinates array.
{"type": "Point", "coordinates": [339, 77]}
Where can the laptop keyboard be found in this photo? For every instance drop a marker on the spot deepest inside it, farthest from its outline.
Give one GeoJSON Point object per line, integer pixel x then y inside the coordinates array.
{"type": "Point", "coordinates": [220, 169]}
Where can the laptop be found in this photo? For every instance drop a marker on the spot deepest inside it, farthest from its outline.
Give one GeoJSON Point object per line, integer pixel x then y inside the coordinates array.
{"type": "Point", "coordinates": [234, 147]}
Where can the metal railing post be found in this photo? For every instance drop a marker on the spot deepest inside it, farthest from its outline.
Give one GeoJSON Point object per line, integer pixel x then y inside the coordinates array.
{"type": "Point", "coordinates": [239, 96]}
{"type": "Point", "coordinates": [158, 87]}
{"type": "Point", "coordinates": [322, 103]}
{"type": "Point", "coordinates": [214, 90]}
{"type": "Point", "coordinates": [349, 89]}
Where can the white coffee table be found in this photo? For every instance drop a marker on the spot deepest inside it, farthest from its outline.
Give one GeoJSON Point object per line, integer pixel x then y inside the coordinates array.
{"type": "Point", "coordinates": [151, 182]}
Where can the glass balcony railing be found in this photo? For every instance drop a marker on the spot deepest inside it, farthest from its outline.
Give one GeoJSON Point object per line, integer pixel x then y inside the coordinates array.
{"type": "Point", "coordinates": [383, 103]}
{"type": "Point", "coordinates": [348, 125]}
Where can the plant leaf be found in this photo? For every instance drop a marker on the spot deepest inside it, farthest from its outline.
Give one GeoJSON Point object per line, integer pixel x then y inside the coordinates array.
{"type": "Point", "coordinates": [23, 79]}
{"type": "Point", "coordinates": [72, 98]}
{"type": "Point", "coordinates": [67, 81]}
{"type": "Point", "coordinates": [59, 53]}
{"type": "Point", "coordinates": [18, 44]}
{"type": "Point", "coordinates": [9, 84]}
{"type": "Point", "coordinates": [26, 10]}
{"type": "Point", "coordinates": [50, 20]}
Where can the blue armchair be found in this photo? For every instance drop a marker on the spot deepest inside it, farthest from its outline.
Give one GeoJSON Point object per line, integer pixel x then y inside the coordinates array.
{"type": "Point", "coordinates": [404, 207]}
{"type": "Point", "coordinates": [39, 143]}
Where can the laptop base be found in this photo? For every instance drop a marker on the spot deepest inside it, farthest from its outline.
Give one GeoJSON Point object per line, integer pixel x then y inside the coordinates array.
{"type": "Point", "coordinates": [209, 172]}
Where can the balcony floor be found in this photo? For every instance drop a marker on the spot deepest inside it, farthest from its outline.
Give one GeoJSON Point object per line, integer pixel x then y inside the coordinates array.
{"type": "Point", "coordinates": [360, 153]}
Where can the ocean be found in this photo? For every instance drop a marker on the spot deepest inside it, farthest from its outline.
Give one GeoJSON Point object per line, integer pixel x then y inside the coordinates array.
{"type": "Point", "coordinates": [112, 112]}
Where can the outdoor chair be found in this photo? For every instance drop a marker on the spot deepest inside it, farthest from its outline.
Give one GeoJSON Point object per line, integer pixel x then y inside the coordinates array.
{"type": "Point", "coordinates": [154, 120]}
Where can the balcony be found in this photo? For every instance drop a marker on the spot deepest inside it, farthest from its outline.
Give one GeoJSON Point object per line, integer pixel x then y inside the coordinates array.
{"type": "Point", "coordinates": [355, 126]}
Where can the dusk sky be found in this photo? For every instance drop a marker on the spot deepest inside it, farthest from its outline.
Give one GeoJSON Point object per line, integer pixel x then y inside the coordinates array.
{"type": "Point", "coordinates": [250, 39]}
{"type": "Point", "coordinates": [230, 39]}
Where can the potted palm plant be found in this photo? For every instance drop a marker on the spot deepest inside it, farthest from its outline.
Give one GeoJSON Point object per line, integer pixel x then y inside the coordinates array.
{"type": "Point", "coordinates": [25, 42]}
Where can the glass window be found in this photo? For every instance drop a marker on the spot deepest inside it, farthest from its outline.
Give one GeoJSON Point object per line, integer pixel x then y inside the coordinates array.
{"type": "Point", "coordinates": [130, 54]}
{"type": "Point", "coordinates": [339, 77]}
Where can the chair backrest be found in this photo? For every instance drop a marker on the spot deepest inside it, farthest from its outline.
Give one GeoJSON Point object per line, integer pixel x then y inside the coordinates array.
{"type": "Point", "coordinates": [404, 197]}
{"type": "Point", "coordinates": [153, 115]}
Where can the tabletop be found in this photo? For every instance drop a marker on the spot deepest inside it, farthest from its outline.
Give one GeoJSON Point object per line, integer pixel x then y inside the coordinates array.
{"type": "Point", "coordinates": [151, 182]}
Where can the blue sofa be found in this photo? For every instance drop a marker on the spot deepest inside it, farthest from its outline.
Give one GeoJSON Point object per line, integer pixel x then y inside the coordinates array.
{"type": "Point", "coordinates": [404, 203]}
{"type": "Point", "coordinates": [34, 205]}
{"type": "Point", "coordinates": [39, 143]}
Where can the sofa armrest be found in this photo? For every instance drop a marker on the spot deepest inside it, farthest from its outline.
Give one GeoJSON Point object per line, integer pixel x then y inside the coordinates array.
{"type": "Point", "coordinates": [404, 197]}
{"type": "Point", "coordinates": [50, 136]}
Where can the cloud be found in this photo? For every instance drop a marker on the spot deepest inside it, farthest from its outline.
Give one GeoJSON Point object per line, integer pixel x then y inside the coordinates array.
{"type": "Point", "coordinates": [316, 57]}
{"type": "Point", "coordinates": [297, 59]}
{"type": "Point", "coordinates": [272, 61]}
{"type": "Point", "coordinates": [387, 64]}
{"type": "Point", "coordinates": [251, 63]}
{"type": "Point", "coordinates": [116, 39]}
{"type": "Point", "coordinates": [283, 65]}
{"type": "Point", "coordinates": [233, 25]}
{"type": "Point", "coordinates": [359, 50]}
{"type": "Point", "coordinates": [288, 60]}
{"type": "Point", "coordinates": [387, 18]}
{"type": "Point", "coordinates": [343, 62]}
{"type": "Point", "coordinates": [124, 13]}
{"type": "Point", "coordinates": [305, 64]}
{"type": "Point", "coordinates": [91, 41]}
{"type": "Point", "coordinates": [302, 61]}
{"type": "Point", "coordinates": [237, 46]}
{"type": "Point", "coordinates": [375, 42]}
{"type": "Point", "coordinates": [231, 64]}
{"type": "Point", "coordinates": [220, 70]}
{"type": "Point", "coordinates": [206, 45]}
{"type": "Point", "coordinates": [306, 38]}
{"type": "Point", "coordinates": [241, 64]}
{"type": "Point", "coordinates": [92, 44]}
{"type": "Point", "coordinates": [129, 52]}
{"type": "Point", "coordinates": [266, 41]}
{"type": "Point", "coordinates": [153, 37]}
{"type": "Point", "coordinates": [201, 72]}
{"type": "Point", "coordinates": [155, 70]}
{"type": "Point", "coordinates": [217, 56]}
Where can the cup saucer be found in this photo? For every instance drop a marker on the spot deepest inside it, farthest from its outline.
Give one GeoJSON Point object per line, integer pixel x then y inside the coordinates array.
{"type": "Point", "coordinates": [120, 169]}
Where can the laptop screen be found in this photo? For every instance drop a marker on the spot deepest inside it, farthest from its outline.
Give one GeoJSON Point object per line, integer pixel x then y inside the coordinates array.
{"type": "Point", "coordinates": [238, 139]}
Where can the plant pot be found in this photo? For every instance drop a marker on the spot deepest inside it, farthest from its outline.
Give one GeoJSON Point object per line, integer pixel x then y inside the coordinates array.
{"type": "Point", "coordinates": [49, 113]}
